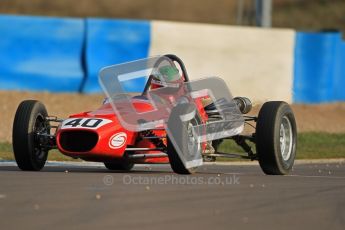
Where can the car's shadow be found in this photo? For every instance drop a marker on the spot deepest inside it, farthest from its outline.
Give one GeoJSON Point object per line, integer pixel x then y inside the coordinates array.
{"type": "Point", "coordinates": [92, 169]}
{"type": "Point", "coordinates": [67, 169]}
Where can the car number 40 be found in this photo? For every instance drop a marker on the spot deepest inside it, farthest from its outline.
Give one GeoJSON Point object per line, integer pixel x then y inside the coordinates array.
{"type": "Point", "coordinates": [86, 123]}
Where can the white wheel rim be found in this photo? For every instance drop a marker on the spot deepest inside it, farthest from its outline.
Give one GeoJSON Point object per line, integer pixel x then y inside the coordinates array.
{"type": "Point", "coordinates": [286, 138]}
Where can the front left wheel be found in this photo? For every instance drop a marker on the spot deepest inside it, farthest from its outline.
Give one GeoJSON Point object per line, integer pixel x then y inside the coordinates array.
{"type": "Point", "coordinates": [276, 138]}
{"type": "Point", "coordinates": [29, 122]}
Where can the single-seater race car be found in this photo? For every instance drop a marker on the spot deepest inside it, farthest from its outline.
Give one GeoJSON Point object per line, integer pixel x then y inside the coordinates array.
{"type": "Point", "coordinates": [171, 120]}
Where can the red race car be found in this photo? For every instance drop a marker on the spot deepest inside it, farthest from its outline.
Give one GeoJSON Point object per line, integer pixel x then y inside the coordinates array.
{"type": "Point", "coordinates": [172, 120]}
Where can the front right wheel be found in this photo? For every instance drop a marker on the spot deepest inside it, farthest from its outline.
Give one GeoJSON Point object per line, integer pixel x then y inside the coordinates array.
{"type": "Point", "coordinates": [29, 147]}
{"type": "Point", "coordinates": [276, 138]}
{"type": "Point", "coordinates": [185, 138]}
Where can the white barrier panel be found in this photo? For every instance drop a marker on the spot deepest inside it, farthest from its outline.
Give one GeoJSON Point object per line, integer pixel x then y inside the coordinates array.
{"type": "Point", "coordinates": [254, 62]}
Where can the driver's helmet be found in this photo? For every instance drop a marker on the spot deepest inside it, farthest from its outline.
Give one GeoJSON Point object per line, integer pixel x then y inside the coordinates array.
{"type": "Point", "coordinates": [166, 76]}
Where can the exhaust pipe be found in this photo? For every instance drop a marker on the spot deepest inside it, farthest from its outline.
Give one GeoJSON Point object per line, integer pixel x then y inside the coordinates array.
{"type": "Point", "coordinates": [244, 104]}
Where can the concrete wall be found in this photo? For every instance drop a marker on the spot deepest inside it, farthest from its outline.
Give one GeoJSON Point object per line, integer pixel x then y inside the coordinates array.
{"type": "Point", "coordinates": [257, 63]}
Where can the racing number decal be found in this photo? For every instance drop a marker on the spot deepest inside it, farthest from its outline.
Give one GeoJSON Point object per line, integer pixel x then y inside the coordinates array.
{"type": "Point", "coordinates": [73, 122]}
{"type": "Point", "coordinates": [87, 123]}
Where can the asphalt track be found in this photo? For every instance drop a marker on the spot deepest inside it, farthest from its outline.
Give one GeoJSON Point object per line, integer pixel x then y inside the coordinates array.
{"type": "Point", "coordinates": [65, 196]}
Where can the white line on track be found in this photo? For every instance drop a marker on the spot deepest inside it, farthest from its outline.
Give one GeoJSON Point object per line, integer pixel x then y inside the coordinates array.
{"type": "Point", "coordinates": [326, 177]}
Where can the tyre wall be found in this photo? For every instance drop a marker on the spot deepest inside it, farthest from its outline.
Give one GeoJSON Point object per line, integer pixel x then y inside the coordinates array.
{"type": "Point", "coordinates": [41, 53]}
{"type": "Point", "coordinates": [111, 42]}
{"type": "Point", "coordinates": [65, 55]}
{"type": "Point", "coordinates": [319, 67]}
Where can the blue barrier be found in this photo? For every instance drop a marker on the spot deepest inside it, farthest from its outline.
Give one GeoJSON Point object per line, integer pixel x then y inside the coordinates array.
{"type": "Point", "coordinates": [111, 42]}
{"type": "Point", "coordinates": [40, 53]}
{"type": "Point", "coordinates": [319, 67]}
{"type": "Point", "coordinates": [339, 78]}
{"type": "Point", "coordinates": [65, 55]}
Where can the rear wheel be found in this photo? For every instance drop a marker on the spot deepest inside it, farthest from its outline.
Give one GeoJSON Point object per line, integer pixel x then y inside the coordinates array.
{"type": "Point", "coordinates": [28, 147]}
{"type": "Point", "coordinates": [276, 138]}
{"type": "Point", "coordinates": [185, 136]}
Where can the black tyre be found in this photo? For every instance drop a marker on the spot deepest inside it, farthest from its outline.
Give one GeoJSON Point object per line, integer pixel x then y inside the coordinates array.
{"type": "Point", "coordinates": [184, 135]}
{"type": "Point", "coordinates": [276, 138]}
{"type": "Point", "coordinates": [29, 120]}
{"type": "Point", "coordinates": [119, 166]}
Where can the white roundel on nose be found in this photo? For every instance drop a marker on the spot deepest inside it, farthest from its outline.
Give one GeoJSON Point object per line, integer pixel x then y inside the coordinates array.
{"type": "Point", "coordinates": [118, 140]}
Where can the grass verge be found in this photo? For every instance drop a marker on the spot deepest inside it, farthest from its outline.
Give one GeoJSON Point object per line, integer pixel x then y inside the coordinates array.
{"type": "Point", "coordinates": [6, 153]}
{"type": "Point", "coordinates": [310, 146]}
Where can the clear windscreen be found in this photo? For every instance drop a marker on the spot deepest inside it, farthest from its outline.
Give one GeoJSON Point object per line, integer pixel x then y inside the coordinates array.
{"type": "Point", "coordinates": [158, 84]}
